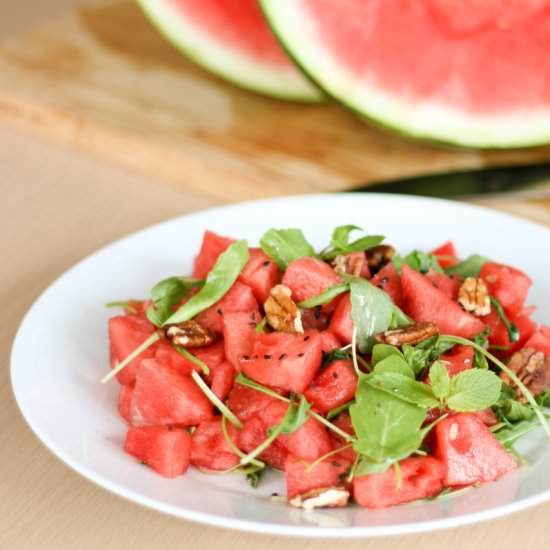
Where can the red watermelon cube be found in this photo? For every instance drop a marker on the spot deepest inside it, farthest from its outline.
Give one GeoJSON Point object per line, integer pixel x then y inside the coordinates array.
{"type": "Point", "coordinates": [446, 254]}
{"type": "Point", "coordinates": [164, 397]}
{"type": "Point", "coordinates": [343, 421]}
{"type": "Point", "coordinates": [254, 432]}
{"type": "Point", "coordinates": [448, 285]}
{"type": "Point", "coordinates": [212, 246]}
{"type": "Point", "coordinates": [333, 387]}
{"type": "Point", "coordinates": [458, 359]}
{"type": "Point", "coordinates": [125, 401]}
{"type": "Point", "coordinates": [421, 477]}
{"type": "Point", "coordinates": [329, 341]}
{"type": "Point", "coordinates": [209, 448]}
{"type": "Point", "coordinates": [260, 273]}
{"type": "Point", "coordinates": [307, 277]}
{"type": "Point", "coordinates": [498, 334]}
{"type": "Point", "coordinates": [540, 341]}
{"type": "Point", "coordinates": [388, 280]}
{"type": "Point", "coordinates": [424, 302]}
{"type": "Point", "coordinates": [246, 402]}
{"type": "Point", "coordinates": [507, 284]}
{"type": "Point", "coordinates": [165, 450]}
{"type": "Point", "coordinates": [126, 333]}
{"type": "Point", "coordinates": [341, 324]}
{"type": "Point", "coordinates": [239, 330]}
{"type": "Point", "coordinates": [221, 379]}
{"type": "Point", "coordinates": [469, 451]}
{"type": "Point", "coordinates": [167, 355]}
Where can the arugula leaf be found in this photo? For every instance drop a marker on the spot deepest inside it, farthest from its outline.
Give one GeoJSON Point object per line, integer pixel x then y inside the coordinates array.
{"type": "Point", "coordinates": [440, 380]}
{"type": "Point", "coordinates": [296, 417]}
{"type": "Point", "coordinates": [474, 390]}
{"type": "Point", "coordinates": [513, 411]}
{"type": "Point", "coordinates": [334, 355]}
{"type": "Point", "coordinates": [254, 475]}
{"type": "Point", "coordinates": [168, 293]}
{"type": "Point", "coordinates": [285, 245]}
{"type": "Point", "coordinates": [421, 356]}
{"type": "Point", "coordinates": [419, 261]}
{"type": "Point", "coordinates": [387, 428]}
{"type": "Point", "coordinates": [382, 351]}
{"type": "Point", "coordinates": [403, 387]}
{"type": "Point", "coordinates": [218, 281]}
{"type": "Point", "coordinates": [130, 306]}
{"type": "Point", "coordinates": [482, 340]}
{"type": "Point", "coordinates": [543, 399]}
{"type": "Point", "coordinates": [399, 318]}
{"type": "Point", "coordinates": [339, 243]}
{"type": "Point", "coordinates": [333, 413]}
{"type": "Point", "coordinates": [510, 434]}
{"type": "Point", "coordinates": [469, 267]}
{"type": "Point", "coordinates": [371, 310]}
{"type": "Point", "coordinates": [513, 331]}
{"type": "Point", "coordinates": [394, 364]}
{"type": "Point", "coordinates": [325, 297]}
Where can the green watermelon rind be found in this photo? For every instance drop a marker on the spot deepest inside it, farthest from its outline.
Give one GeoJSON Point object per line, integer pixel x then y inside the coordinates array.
{"type": "Point", "coordinates": [440, 125]}
{"type": "Point", "coordinates": [226, 63]}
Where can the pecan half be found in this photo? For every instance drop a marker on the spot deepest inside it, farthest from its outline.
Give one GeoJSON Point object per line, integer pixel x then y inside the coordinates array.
{"type": "Point", "coordinates": [281, 312]}
{"type": "Point", "coordinates": [327, 497]}
{"type": "Point", "coordinates": [411, 334]}
{"type": "Point", "coordinates": [473, 296]}
{"type": "Point", "coordinates": [189, 334]}
{"type": "Point", "coordinates": [532, 368]}
{"type": "Point", "coordinates": [352, 264]}
{"type": "Point", "coordinates": [379, 256]}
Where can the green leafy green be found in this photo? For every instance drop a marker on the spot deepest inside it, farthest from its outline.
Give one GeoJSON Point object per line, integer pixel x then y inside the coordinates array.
{"type": "Point", "coordinates": [261, 325]}
{"type": "Point", "coordinates": [543, 399]}
{"type": "Point", "coordinates": [218, 281]}
{"type": "Point", "coordinates": [193, 358]}
{"type": "Point", "coordinates": [440, 380]}
{"type": "Point", "coordinates": [254, 475]}
{"type": "Point", "coordinates": [296, 417]}
{"type": "Point", "coordinates": [285, 245]}
{"type": "Point", "coordinates": [419, 261]}
{"type": "Point", "coordinates": [421, 356]}
{"type": "Point", "coordinates": [482, 340]}
{"type": "Point", "coordinates": [382, 351]}
{"type": "Point", "coordinates": [393, 363]}
{"type": "Point", "coordinates": [339, 243]}
{"type": "Point", "coordinates": [513, 411]}
{"type": "Point", "coordinates": [371, 310]}
{"type": "Point", "coordinates": [130, 306]}
{"type": "Point", "coordinates": [336, 354]}
{"type": "Point", "coordinates": [333, 413]}
{"type": "Point", "coordinates": [167, 294]}
{"type": "Point", "coordinates": [474, 390]}
{"type": "Point", "coordinates": [403, 387]}
{"type": "Point", "coordinates": [469, 267]}
{"type": "Point", "coordinates": [510, 434]}
{"type": "Point", "coordinates": [325, 297]}
{"type": "Point", "coordinates": [513, 331]}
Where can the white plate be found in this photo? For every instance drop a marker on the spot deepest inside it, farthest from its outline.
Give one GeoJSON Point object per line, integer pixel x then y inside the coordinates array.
{"type": "Point", "coordinates": [61, 351]}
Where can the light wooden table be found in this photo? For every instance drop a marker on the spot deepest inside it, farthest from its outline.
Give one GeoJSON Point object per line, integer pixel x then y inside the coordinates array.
{"type": "Point", "coordinates": [55, 208]}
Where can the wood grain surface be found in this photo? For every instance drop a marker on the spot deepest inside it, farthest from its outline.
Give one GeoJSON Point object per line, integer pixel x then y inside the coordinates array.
{"type": "Point", "coordinates": [102, 80]}
{"type": "Point", "coordinates": [59, 204]}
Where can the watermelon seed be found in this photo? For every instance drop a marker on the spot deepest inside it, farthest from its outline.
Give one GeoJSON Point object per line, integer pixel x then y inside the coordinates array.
{"type": "Point", "coordinates": [301, 354]}
{"type": "Point", "coordinates": [219, 311]}
{"type": "Point", "coordinates": [317, 312]}
{"type": "Point", "coordinates": [282, 356]}
{"type": "Point", "coordinates": [267, 357]}
{"type": "Point", "coordinates": [335, 375]}
{"type": "Point", "coordinates": [267, 263]}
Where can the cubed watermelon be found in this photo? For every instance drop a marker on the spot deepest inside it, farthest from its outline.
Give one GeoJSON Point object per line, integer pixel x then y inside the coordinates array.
{"type": "Point", "coordinates": [238, 335]}
{"type": "Point", "coordinates": [254, 432]}
{"type": "Point", "coordinates": [308, 442]}
{"type": "Point", "coordinates": [165, 450]}
{"type": "Point", "coordinates": [221, 379]}
{"type": "Point", "coordinates": [421, 477]}
{"type": "Point", "coordinates": [498, 334]}
{"type": "Point", "coordinates": [260, 273]}
{"type": "Point", "coordinates": [167, 355]}
{"type": "Point", "coordinates": [329, 341]}
{"type": "Point", "coordinates": [212, 246]}
{"type": "Point", "coordinates": [288, 361]}
{"type": "Point", "coordinates": [209, 448]}
{"type": "Point", "coordinates": [307, 277]}
{"type": "Point", "coordinates": [424, 302]}
{"type": "Point", "coordinates": [341, 324]}
{"type": "Point", "coordinates": [126, 333]}
{"type": "Point", "coordinates": [448, 285]}
{"type": "Point", "coordinates": [507, 284]}
{"type": "Point", "coordinates": [246, 403]}
{"type": "Point", "coordinates": [388, 280]}
{"type": "Point", "coordinates": [343, 421]}
{"type": "Point", "coordinates": [125, 401]}
{"type": "Point", "coordinates": [315, 318]}
{"type": "Point", "coordinates": [458, 359]}
{"type": "Point", "coordinates": [446, 254]}
{"type": "Point", "coordinates": [487, 416]}
{"type": "Point", "coordinates": [239, 298]}
{"type": "Point", "coordinates": [333, 387]}
{"type": "Point", "coordinates": [540, 341]}
{"type": "Point", "coordinates": [327, 474]}
{"type": "Point", "coordinates": [469, 451]}
{"type": "Point", "coordinates": [164, 397]}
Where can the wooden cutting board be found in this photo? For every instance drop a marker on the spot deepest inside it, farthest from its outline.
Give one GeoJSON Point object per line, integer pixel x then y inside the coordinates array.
{"type": "Point", "coordinates": [103, 81]}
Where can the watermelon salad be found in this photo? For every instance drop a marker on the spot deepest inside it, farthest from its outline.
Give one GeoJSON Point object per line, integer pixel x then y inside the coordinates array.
{"type": "Point", "coordinates": [358, 373]}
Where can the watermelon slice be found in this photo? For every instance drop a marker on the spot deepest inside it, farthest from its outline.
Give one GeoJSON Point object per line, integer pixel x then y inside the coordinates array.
{"type": "Point", "coordinates": [459, 71]}
{"type": "Point", "coordinates": [231, 39]}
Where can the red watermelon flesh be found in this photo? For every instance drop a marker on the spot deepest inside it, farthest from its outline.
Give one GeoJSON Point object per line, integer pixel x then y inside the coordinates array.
{"type": "Point", "coordinates": [287, 361]}
{"type": "Point", "coordinates": [308, 277]}
{"type": "Point", "coordinates": [254, 432]}
{"type": "Point", "coordinates": [471, 73]}
{"type": "Point", "coordinates": [448, 285]}
{"type": "Point", "coordinates": [238, 335]}
{"type": "Point", "coordinates": [470, 452]}
{"type": "Point", "coordinates": [327, 474]}
{"type": "Point", "coordinates": [221, 379]}
{"type": "Point", "coordinates": [163, 397]}
{"type": "Point", "coordinates": [165, 450]}
{"type": "Point", "coordinates": [125, 401]}
{"type": "Point", "coordinates": [421, 477]}
{"type": "Point", "coordinates": [343, 421]}
{"type": "Point", "coordinates": [426, 303]}
{"type": "Point", "coordinates": [239, 298]}
{"type": "Point", "coordinates": [212, 246]}
{"type": "Point", "coordinates": [540, 341]}
{"type": "Point", "coordinates": [498, 335]}
{"type": "Point", "coordinates": [308, 442]}
{"type": "Point", "coordinates": [459, 359]}
{"type": "Point", "coordinates": [507, 284]}
{"type": "Point", "coordinates": [210, 450]}
{"type": "Point", "coordinates": [446, 254]}
{"type": "Point", "coordinates": [247, 403]}
{"type": "Point", "coordinates": [333, 387]}
{"type": "Point", "coordinates": [329, 341]}
{"type": "Point", "coordinates": [168, 356]}
{"type": "Point", "coordinates": [126, 333]}
{"type": "Point", "coordinates": [315, 318]}
{"type": "Point", "coordinates": [260, 273]}
{"type": "Point", "coordinates": [389, 281]}
{"type": "Point", "coordinates": [341, 324]}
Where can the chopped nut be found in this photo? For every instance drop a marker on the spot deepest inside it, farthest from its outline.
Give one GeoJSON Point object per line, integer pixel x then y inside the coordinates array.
{"type": "Point", "coordinates": [473, 296]}
{"type": "Point", "coordinates": [532, 368]}
{"type": "Point", "coordinates": [330, 497]}
{"type": "Point", "coordinates": [352, 264]}
{"type": "Point", "coordinates": [189, 334]}
{"type": "Point", "coordinates": [379, 256]}
{"type": "Point", "coordinates": [281, 312]}
{"type": "Point", "coordinates": [411, 334]}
